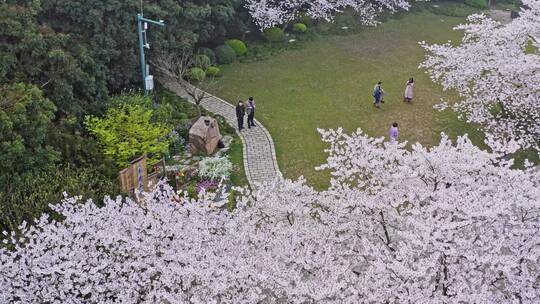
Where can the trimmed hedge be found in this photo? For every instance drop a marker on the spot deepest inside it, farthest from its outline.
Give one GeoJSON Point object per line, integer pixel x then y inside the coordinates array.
{"type": "Point", "coordinates": [274, 34]}
{"type": "Point", "coordinates": [477, 3]}
{"type": "Point", "coordinates": [213, 71]}
{"type": "Point", "coordinates": [208, 53]}
{"type": "Point", "coordinates": [238, 46]}
{"type": "Point", "coordinates": [225, 54]}
{"type": "Point", "coordinates": [196, 74]}
{"type": "Point", "coordinates": [299, 28]}
{"type": "Point", "coordinates": [203, 62]}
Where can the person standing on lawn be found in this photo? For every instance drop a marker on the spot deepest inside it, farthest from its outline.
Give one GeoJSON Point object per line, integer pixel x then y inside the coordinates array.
{"type": "Point", "coordinates": [251, 112]}
{"type": "Point", "coordinates": [394, 133]}
{"type": "Point", "coordinates": [378, 94]}
{"type": "Point", "coordinates": [409, 90]}
{"type": "Point", "coordinates": [240, 112]}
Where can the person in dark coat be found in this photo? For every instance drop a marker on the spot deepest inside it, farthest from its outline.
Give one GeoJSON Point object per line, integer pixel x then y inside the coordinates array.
{"type": "Point", "coordinates": [240, 112]}
{"type": "Point", "coordinates": [251, 112]}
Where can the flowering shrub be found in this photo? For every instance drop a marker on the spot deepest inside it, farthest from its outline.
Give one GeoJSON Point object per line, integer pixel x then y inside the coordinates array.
{"type": "Point", "coordinates": [215, 167]}
{"type": "Point", "coordinates": [449, 224]}
{"type": "Point", "coordinates": [206, 185]}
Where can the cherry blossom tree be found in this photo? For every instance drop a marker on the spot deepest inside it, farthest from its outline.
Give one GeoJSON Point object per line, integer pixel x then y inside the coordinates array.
{"type": "Point", "coordinates": [269, 13]}
{"type": "Point", "coordinates": [496, 71]}
{"type": "Point", "coordinates": [448, 224]}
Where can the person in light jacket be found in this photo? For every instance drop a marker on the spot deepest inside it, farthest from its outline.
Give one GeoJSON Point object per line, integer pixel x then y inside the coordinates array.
{"type": "Point", "coordinates": [409, 90]}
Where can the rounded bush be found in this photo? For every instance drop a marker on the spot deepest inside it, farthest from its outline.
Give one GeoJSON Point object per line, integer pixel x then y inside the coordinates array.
{"type": "Point", "coordinates": [196, 74]}
{"type": "Point", "coordinates": [305, 19]}
{"type": "Point", "coordinates": [299, 28]}
{"type": "Point", "coordinates": [202, 61]}
{"type": "Point", "coordinates": [238, 46]}
{"type": "Point", "coordinates": [208, 53]}
{"type": "Point", "coordinates": [274, 34]}
{"type": "Point", "coordinates": [225, 54]}
{"type": "Point", "coordinates": [213, 71]}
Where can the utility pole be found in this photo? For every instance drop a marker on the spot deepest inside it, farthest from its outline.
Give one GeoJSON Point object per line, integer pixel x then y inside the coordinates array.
{"type": "Point", "coordinates": [142, 26]}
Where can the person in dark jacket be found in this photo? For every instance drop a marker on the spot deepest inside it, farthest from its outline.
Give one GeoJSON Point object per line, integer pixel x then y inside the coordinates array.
{"type": "Point", "coordinates": [240, 112]}
{"type": "Point", "coordinates": [251, 112]}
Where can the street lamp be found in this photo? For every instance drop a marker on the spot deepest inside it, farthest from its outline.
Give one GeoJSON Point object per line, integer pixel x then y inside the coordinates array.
{"type": "Point", "coordinates": [142, 26]}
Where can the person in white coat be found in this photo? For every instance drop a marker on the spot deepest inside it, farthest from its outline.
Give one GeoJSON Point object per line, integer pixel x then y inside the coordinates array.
{"type": "Point", "coordinates": [409, 90]}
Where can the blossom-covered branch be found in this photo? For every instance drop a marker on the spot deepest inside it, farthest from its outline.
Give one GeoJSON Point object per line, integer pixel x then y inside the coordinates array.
{"type": "Point", "coordinates": [269, 13]}
{"type": "Point", "coordinates": [449, 224]}
{"type": "Point", "coordinates": [496, 71]}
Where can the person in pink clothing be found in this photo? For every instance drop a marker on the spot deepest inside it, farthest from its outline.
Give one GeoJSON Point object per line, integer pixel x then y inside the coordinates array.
{"type": "Point", "coordinates": [394, 133]}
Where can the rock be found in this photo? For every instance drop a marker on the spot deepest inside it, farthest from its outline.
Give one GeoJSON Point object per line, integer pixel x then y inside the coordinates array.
{"type": "Point", "coordinates": [204, 135]}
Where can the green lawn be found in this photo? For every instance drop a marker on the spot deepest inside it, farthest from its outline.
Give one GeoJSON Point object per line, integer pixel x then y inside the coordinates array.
{"type": "Point", "coordinates": [328, 84]}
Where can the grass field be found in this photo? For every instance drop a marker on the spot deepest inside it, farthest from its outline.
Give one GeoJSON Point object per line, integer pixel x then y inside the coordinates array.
{"type": "Point", "coordinates": [328, 84]}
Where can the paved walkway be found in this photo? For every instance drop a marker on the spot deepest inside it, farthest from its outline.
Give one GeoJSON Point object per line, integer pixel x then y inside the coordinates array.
{"type": "Point", "coordinates": [260, 161]}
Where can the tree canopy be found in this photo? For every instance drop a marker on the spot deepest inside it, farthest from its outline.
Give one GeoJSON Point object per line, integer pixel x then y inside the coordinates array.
{"type": "Point", "coordinates": [448, 224]}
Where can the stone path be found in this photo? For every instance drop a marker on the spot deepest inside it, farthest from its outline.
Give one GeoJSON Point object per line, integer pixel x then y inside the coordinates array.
{"type": "Point", "coordinates": [260, 161]}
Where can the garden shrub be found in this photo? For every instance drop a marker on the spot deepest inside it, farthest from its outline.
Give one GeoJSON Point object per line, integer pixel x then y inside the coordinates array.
{"type": "Point", "coordinates": [127, 130]}
{"type": "Point", "coordinates": [451, 9]}
{"type": "Point", "coordinates": [477, 3]}
{"type": "Point", "coordinates": [213, 71]}
{"type": "Point", "coordinates": [225, 54]}
{"type": "Point", "coordinates": [299, 28]}
{"type": "Point", "coordinates": [238, 46]}
{"type": "Point", "coordinates": [196, 74]}
{"type": "Point", "coordinates": [215, 168]}
{"type": "Point", "coordinates": [274, 34]}
{"type": "Point", "coordinates": [305, 19]}
{"type": "Point", "coordinates": [202, 61]}
{"type": "Point", "coordinates": [208, 53]}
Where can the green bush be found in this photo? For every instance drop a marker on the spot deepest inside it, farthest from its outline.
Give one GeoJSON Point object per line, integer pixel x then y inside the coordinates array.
{"type": "Point", "coordinates": [274, 34]}
{"type": "Point", "coordinates": [27, 196]}
{"type": "Point", "coordinates": [127, 131]}
{"type": "Point", "coordinates": [299, 28]}
{"type": "Point", "coordinates": [451, 9]}
{"type": "Point", "coordinates": [213, 71]}
{"type": "Point", "coordinates": [477, 3]}
{"type": "Point", "coordinates": [238, 46]}
{"type": "Point", "coordinates": [225, 54]}
{"type": "Point", "coordinates": [305, 19]}
{"type": "Point", "coordinates": [196, 74]}
{"type": "Point", "coordinates": [202, 61]}
{"type": "Point", "coordinates": [208, 53]}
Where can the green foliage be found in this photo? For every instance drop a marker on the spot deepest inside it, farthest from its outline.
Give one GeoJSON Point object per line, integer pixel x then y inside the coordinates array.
{"type": "Point", "coordinates": [213, 72]}
{"type": "Point", "coordinates": [25, 122]}
{"type": "Point", "coordinates": [299, 28]}
{"type": "Point", "coordinates": [450, 9]}
{"type": "Point", "coordinates": [274, 34]}
{"type": "Point", "coordinates": [225, 54]}
{"type": "Point", "coordinates": [192, 191]}
{"type": "Point", "coordinates": [202, 61]}
{"type": "Point", "coordinates": [305, 19]}
{"type": "Point", "coordinates": [482, 4]}
{"type": "Point", "coordinates": [215, 168]}
{"type": "Point", "coordinates": [238, 46]}
{"type": "Point", "coordinates": [208, 53]}
{"type": "Point", "coordinates": [127, 131]}
{"type": "Point", "coordinates": [196, 74]}
{"type": "Point", "coordinates": [27, 196]}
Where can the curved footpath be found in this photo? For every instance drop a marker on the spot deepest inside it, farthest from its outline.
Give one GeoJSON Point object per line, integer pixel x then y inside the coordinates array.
{"type": "Point", "coordinates": [260, 161]}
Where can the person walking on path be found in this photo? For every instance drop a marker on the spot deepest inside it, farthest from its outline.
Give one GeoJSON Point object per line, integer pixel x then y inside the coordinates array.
{"type": "Point", "coordinates": [409, 90]}
{"type": "Point", "coordinates": [240, 112]}
{"type": "Point", "coordinates": [378, 94]}
{"type": "Point", "coordinates": [251, 112]}
{"type": "Point", "coordinates": [394, 133]}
